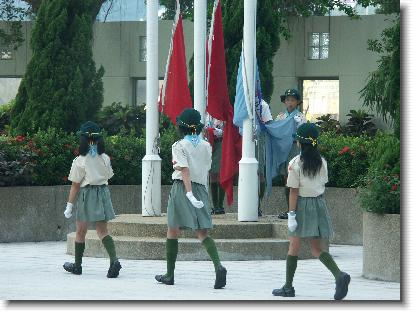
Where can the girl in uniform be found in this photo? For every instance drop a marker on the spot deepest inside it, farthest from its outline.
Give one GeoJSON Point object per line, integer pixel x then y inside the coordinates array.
{"type": "Point", "coordinates": [292, 100]}
{"type": "Point", "coordinates": [89, 174]}
{"type": "Point", "coordinates": [308, 213]}
{"type": "Point", "coordinates": [188, 206]}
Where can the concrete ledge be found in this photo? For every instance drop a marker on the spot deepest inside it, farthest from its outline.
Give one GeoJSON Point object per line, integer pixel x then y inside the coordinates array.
{"type": "Point", "coordinates": [381, 249]}
{"type": "Point", "coordinates": [36, 213]}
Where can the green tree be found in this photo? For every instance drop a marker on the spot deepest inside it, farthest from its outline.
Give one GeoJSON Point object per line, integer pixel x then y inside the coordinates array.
{"type": "Point", "coordinates": [61, 87]}
{"type": "Point", "coordinates": [382, 91]}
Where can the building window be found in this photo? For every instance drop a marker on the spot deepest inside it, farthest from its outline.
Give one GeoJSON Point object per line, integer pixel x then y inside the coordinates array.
{"type": "Point", "coordinates": [142, 48]}
{"type": "Point", "coordinates": [320, 97]}
{"type": "Point", "coordinates": [139, 91]}
{"type": "Point", "coordinates": [6, 53]}
{"type": "Point", "coordinates": [318, 46]}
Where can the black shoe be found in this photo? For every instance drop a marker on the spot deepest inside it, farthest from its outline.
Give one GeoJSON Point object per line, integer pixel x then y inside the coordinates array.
{"type": "Point", "coordinates": [259, 212]}
{"type": "Point", "coordinates": [283, 215]}
{"type": "Point", "coordinates": [168, 280]}
{"type": "Point", "coordinates": [72, 268]}
{"type": "Point", "coordinates": [220, 281]}
{"type": "Point", "coordinates": [219, 211]}
{"type": "Point", "coordinates": [114, 269]}
{"type": "Point", "coordinates": [342, 286]}
{"type": "Point", "coordinates": [213, 211]}
{"type": "Point", "coordinates": [284, 292]}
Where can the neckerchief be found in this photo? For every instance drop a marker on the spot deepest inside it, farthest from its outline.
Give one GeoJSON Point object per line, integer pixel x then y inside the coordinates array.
{"type": "Point", "coordinates": [193, 138]}
{"type": "Point", "coordinates": [93, 150]}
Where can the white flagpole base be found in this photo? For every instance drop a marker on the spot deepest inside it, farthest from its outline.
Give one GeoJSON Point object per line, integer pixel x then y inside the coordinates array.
{"type": "Point", "coordinates": [248, 190]}
{"type": "Point", "coordinates": [151, 186]}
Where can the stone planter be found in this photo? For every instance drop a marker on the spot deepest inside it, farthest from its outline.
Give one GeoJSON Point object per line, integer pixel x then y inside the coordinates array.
{"type": "Point", "coordinates": [381, 246]}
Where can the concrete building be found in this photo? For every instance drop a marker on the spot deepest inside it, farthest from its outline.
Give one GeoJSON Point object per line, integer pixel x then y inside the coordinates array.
{"type": "Point", "coordinates": [326, 59]}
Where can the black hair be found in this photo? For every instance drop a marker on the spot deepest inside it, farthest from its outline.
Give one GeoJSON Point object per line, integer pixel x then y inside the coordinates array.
{"type": "Point", "coordinates": [85, 142]}
{"type": "Point", "coordinates": [186, 131]}
{"type": "Point", "coordinates": [311, 158]}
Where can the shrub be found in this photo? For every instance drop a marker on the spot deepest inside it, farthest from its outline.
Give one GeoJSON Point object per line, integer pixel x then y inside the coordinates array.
{"type": "Point", "coordinates": [381, 186]}
{"type": "Point", "coordinates": [359, 123]}
{"type": "Point", "coordinates": [326, 123]}
{"type": "Point", "coordinates": [5, 112]}
{"type": "Point", "coordinates": [347, 158]}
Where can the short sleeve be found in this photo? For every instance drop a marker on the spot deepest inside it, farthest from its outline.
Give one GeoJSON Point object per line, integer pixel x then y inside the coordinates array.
{"type": "Point", "coordinates": [77, 171]}
{"type": "Point", "coordinates": [324, 171]}
{"type": "Point", "coordinates": [293, 174]}
{"type": "Point", "coordinates": [179, 157]}
{"type": "Point", "coordinates": [266, 114]}
{"type": "Point", "coordinates": [108, 166]}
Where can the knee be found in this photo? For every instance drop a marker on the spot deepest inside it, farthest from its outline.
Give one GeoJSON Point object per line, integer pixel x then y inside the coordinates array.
{"type": "Point", "coordinates": [316, 251]}
{"type": "Point", "coordinates": [173, 233]}
{"type": "Point", "coordinates": [81, 231]}
{"type": "Point", "coordinates": [201, 235]}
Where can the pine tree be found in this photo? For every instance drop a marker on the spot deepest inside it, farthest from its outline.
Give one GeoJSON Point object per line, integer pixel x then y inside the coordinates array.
{"type": "Point", "coordinates": [61, 87]}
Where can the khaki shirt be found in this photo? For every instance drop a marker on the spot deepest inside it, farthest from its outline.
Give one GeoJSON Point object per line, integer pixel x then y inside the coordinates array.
{"type": "Point", "coordinates": [284, 115]}
{"type": "Point", "coordinates": [91, 170]}
{"type": "Point", "coordinates": [308, 187]}
{"type": "Point", "coordinates": [197, 158]}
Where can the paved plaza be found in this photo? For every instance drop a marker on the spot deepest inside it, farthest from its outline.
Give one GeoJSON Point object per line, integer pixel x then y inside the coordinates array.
{"type": "Point", "coordinates": [33, 271]}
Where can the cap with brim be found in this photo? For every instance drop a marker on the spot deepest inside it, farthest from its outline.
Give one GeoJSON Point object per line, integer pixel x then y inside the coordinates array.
{"type": "Point", "coordinates": [290, 92]}
{"type": "Point", "coordinates": [90, 130]}
{"type": "Point", "coordinates": [190, 119]}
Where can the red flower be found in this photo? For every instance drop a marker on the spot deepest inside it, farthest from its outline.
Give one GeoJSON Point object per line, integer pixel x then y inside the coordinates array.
{"type": "Point", "coordinates": [344, 150]}
{"type": "Point", "coordinates": [75, 152]}
{"type": "Point", "coordinates": [394, 187]}
{"type": "Point", "coordinates": [20, 138]}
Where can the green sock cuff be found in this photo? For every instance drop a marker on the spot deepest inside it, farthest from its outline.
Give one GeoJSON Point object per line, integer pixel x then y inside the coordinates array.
{"type": "Point", "coordinates": [78, 252]}
{"type": "Point", "coordinates": [328, 261]}
{"type": "Point", "coordinates": [211, 249]}
{"type": "Point", "coordinates": [208, 242]}
{"type": "Point", "coordinates": [108, 243]}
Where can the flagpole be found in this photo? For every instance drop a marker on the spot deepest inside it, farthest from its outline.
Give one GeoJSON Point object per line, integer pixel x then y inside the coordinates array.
{"type": "Point", "coordinates": [248, 165]}
{"type": "Point", "coordinates": [199, 58]}
{"type": "Point", "coordinates": [151, 163]}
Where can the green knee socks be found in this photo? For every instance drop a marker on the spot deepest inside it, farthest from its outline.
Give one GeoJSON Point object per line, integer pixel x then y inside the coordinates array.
{"type": "Point", "coordinates": [291, 264]}
{"type": "Point", "coordinates": [328, 261]}
{"type": "Point", "coordinates": [171, 255]}
{"type": "Point", "coordinates": [215, 194]}
{"type": "Point", "coordinates": [211, 249]}
{"type": "Point", "coordinates": [221, 195]}
{"type": "Point", "coordinates": [108, 243]}
{"type": "Point", "coordinates": [78, 253]}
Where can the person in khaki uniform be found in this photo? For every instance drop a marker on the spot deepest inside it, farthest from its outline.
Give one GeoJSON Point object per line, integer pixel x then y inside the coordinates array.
{"type": "Point", "coordinates": [89, 174]}
{"type": "Point", "coordinates": [308, 213]}
{"type": "Point", "coordinates": [292, 100]}
{"type": "Point", "coordinates": [188, 206]}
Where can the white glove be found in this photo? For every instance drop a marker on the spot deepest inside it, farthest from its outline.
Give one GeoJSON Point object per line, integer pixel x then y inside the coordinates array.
{"type": "Point", "coordinates": [197, 203]}
{"type": "Point", "coordinates": [298, 119]}
{"type": "Point", "coordinates": [292, 224]}
{"type": "Point", "coordinates": [218, 132]}
{"type": "Point", "coordinates": [68, 211]}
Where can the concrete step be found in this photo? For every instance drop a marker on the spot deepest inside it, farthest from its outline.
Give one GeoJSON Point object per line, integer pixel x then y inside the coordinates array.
{"type": "Point", "coordinates": [150, 248]}
{"type": "Point", "coordinates": [224, 226]}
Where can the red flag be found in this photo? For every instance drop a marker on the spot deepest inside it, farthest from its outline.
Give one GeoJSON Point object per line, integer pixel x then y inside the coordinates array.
{"type": "Point", "coordinates": [176, 95]}
{"type": "Point", "coordinates": [219, 106]}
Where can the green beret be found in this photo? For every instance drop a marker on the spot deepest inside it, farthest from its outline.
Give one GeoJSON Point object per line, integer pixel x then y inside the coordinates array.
{"type": "Point", "coordinates": [190, 119]}
{"type": "Point", "coordinates": [307, 133]}
{"type": "Point", "coordinates": [90, 130]}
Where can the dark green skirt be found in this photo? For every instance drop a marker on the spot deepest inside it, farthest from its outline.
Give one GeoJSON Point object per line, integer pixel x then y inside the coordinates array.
{"type": "Point", "coordinates": [94, 204]}
{"type": "Point", "coordinates": [313, 218]}
{"type": "Point", "coordinates": [182, 214]}
{"type": "Point", "coordinates": [294, 151]}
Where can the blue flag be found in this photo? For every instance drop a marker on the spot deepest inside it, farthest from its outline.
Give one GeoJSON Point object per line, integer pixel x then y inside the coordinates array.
{"type": "Point", "coordinates": [240, 107]}
{"type": "Point", "coordinates": [279, 140]}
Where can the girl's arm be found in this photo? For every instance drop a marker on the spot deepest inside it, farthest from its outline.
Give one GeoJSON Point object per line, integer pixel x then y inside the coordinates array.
{"type": "Point", "coordinates": [186, 178]}
{"type": "Point", "coordinates": [73, 192]}
{"type": "Point", "coordinates": [293, 198]}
